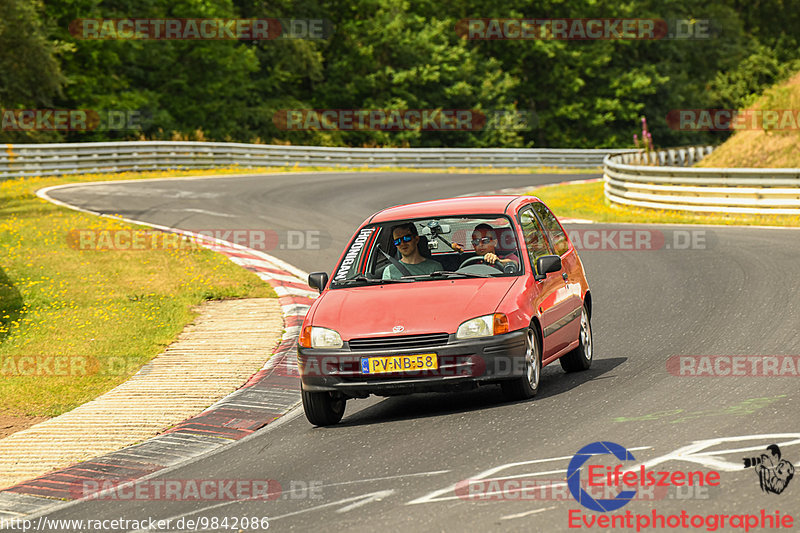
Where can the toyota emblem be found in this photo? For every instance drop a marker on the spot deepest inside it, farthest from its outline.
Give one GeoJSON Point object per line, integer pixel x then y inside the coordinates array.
{"type": "Point", "coordinates": [397, 329]}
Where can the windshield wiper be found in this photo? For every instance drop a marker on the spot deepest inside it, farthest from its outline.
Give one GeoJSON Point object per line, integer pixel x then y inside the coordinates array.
{"type": "Point", "coordinates": [369, 281]}
{"type": "Point", "coordinates": [445, 274]}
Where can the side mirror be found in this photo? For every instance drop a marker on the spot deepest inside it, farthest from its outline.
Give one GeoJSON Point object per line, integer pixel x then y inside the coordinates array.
{"type": "Point", "coordinates": [547, 264]}
{"type": "Point", "coordinates": [318, 280]}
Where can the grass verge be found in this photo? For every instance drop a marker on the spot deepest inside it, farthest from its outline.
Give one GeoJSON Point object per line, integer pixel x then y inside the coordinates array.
{"type": "Point", "coordinates": [586, 200]}
{"type": "Point", "coordinates": [768, 147]}
{"type": "Point", "coordinates": [74, 324]}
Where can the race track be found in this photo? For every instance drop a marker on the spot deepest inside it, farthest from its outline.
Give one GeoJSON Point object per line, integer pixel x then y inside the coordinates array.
{"type": "Point", "coordinates": [392, 464]}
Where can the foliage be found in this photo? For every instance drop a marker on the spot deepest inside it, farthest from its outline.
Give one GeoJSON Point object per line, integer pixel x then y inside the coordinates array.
{"type": "Point", "coordinates": [395, 54]}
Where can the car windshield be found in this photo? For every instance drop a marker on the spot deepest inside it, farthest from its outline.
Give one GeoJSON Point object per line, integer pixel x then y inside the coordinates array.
{"type": "Point", "coordinates": [407, 251]}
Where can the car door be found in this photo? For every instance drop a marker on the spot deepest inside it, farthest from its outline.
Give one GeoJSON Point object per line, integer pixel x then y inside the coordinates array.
{"type": "Point", "coordinates": [568, 329]}
{"type": "Point", "coordinates": [548, 296]}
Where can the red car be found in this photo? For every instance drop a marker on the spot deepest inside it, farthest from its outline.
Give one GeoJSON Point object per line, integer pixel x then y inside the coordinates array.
{"type": "Point", "coordinates": [445, 295]}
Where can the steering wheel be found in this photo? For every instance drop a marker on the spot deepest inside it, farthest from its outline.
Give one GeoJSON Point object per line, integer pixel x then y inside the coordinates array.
{"type": "Point", "coordinates": [497, 264]}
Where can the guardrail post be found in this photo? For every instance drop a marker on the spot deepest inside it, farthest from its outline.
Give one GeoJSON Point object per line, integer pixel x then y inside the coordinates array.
{"type": "Point", "coordinates": [671, 153]}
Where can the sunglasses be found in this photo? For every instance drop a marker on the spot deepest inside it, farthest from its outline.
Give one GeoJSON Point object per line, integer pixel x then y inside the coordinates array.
{"type": "Point", "coordinates": [485, 240]}
{"type": "Point", "coordinates": [404, 238]}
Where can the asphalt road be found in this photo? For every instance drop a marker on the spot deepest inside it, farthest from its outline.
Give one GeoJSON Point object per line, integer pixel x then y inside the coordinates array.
{"type": "Point", "coordinates": [392, 464]}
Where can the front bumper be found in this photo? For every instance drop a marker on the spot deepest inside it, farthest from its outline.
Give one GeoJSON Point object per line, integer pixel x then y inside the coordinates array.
{"type": "Point", "coordinates": [462, 364]}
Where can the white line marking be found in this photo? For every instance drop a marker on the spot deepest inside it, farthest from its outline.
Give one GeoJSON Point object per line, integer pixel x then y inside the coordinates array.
{"type": "Point", "coordinates": [276, 263]}
{"type": "Point", "coordinates": [376, 497]}
{"type": "Point", "coordinates": [529, 474]}
{"type": "Point", "coordinates": [346, 500]}
{"type": "Point", "coordinates": [267, 276]}
{"type": "Point", "coordinates": [291, 291]}
{"type": "Point", "coordinates": [358, 501]}
{"type": "Point", "coordinates": [696, 452]}
{"type": "Point", "coordinates": [526, 513]}
{"type": "Point", "coordinates": [294, 310]}
{"type": "Point", "coordinates": [438, 495]}
{"type": "Point", "coordinates": [204, 212]}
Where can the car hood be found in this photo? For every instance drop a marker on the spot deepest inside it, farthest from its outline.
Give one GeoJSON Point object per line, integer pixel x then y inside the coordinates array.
{"type": "Point", "coordinates": [438, 306]}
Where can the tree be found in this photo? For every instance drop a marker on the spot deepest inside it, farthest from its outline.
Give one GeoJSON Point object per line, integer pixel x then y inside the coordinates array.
{"type": "Point", "coordinates": [30, 76]}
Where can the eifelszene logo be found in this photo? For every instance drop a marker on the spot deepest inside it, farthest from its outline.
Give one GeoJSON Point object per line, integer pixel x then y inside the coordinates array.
{"type": "Point", "coordinates": [632, 478]}
{"type": "Point", "coordinates": [774, 473]}
{"type": "Point", "coordinates": [574, 476]}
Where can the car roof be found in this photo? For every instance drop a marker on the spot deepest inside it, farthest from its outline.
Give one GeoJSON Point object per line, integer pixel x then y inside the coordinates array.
{"type": "Point", "coordinates": [470, 205]}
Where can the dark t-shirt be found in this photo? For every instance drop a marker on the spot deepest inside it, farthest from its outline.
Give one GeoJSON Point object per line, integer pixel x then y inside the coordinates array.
{"type": "Point", "coordinates": [426, 267]}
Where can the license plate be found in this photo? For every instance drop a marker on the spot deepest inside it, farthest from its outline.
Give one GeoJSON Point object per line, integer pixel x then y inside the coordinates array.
{"type": "Point", "coordinates": [399, 363]}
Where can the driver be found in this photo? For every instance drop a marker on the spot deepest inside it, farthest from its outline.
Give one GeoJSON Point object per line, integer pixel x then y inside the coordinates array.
{"type": "Point", "coordinates": [484, 240]}
{"type": "Point", "coordinates": [406, 239]}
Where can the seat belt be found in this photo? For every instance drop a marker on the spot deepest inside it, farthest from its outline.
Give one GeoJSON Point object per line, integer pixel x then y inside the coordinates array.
{"type": "Point", "coordinates": [397, 264]}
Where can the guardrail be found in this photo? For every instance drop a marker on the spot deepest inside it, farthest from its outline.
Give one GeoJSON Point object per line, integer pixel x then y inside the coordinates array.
{"type": "Point", "coordinates": [80, 158]}
{"type": "Point", "coordinates": [637, 180]}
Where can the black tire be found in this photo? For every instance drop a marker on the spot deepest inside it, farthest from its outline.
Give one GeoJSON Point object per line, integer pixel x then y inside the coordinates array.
{"type": "Point", "coordinates": [323, 408]}
{"type": "Point", "coordinates": [581, 357]}
{"type": "Point", "coordinates": [527, 386]}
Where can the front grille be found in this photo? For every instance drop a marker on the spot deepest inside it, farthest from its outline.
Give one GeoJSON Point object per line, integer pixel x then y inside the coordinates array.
{"type": "Point", "coordinates": [405, 342]}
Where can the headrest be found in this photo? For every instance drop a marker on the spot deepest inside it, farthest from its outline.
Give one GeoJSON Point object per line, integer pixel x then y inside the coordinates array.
{"type": "Point", "coordinates": [505, 240]}
{"type": "Point", "coordinates": [423, 247]}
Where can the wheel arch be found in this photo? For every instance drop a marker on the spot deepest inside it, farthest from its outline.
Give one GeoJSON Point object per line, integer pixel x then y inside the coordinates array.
{"type": "Point", "coordinates": [587, 300]}
{"type": "Point", "coordinates": [537, 326]}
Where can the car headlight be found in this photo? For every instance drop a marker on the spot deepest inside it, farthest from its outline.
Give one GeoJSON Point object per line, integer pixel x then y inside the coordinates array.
{"type": "Point", "coordinates": [322, 337]}
{"type": "Point", "coordinates": [483, 326]}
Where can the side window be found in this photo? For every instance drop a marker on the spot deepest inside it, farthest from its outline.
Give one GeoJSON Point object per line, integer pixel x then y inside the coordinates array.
{"type": "Point", "coordinates": [535, 241]}
{"type": "Point", "coordinates": [554, 231]}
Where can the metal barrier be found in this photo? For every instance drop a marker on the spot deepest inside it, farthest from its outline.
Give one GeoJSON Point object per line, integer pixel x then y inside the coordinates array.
{"type": "Point", "coordinates": [82, 158]}
{"type": "Point", "coordinates": [659, 180]}
{"type": "Point", "coordinates": [638, 180]}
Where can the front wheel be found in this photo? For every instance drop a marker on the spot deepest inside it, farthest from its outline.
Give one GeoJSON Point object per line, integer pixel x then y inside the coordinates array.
{"type": "Point", "coordinates": [581, 357]}
{"type": "Point", "coordinates": [323, 408]}
{"type": "Point", "coordinates": [526, 386]}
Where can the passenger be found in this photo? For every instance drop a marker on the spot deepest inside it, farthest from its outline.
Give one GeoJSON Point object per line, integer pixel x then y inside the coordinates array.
{"type": "Point", "coordinates": [484, 240]}
{"type": "Point", "coordinates": [406, 239]}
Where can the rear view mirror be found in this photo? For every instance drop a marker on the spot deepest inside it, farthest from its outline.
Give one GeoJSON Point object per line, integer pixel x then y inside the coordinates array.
{"type": "Point", "coordinates": [318, 280]}
{"type": "Point", "coordinates": [546, 264]}
{"type": "Point", "coordinates": [434, 228]}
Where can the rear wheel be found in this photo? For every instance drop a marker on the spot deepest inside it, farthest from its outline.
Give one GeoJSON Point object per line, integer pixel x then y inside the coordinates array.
{"type": "Point", "coordinates": [323, 408]}
{"type": "Point", "coordinates": [526, 386]}
{"type": "Point", "coordinates": [581, 357]}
